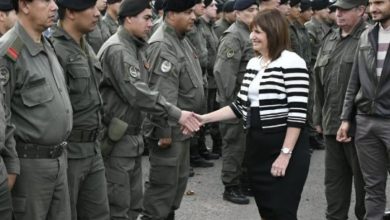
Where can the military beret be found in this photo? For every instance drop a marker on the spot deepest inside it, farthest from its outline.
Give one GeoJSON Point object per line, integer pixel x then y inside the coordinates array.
{"type": "Point", "coordinates": [283, 2]}
{"type": "Point", "coordinates": [113, 1]}
{"type": "Point", "coordinates": [294, 2]}
{"type": "Point", "coordinates": [207, 2]}
{"type": "Point", "coordinates": [132, 7]}
{"type": "Point", "coordinates": [317, 5]}
{"type": "Point", "coordinates": [305, 5]}
{"type": "Point", "coordinates": [348, 4]}
{"type": "Point", "coordinates": [228, 6]}
{"type": "Point", "coordinates": [219, 6]}
{"type": "Point", "coordinates": [178, 5]}
{"type": "Point", "coordinates": [158, 5]}
{"type": "Point", "coordinates": [78, 5]}
{"type": "Point", "coordinates": [241, 5]}
{"type": "Point", "coordinates": [6, 5]}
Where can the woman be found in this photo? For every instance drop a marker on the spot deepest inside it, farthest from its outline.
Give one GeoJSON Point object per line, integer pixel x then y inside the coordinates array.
{"type": "Point", "coordinates": [272, 102]}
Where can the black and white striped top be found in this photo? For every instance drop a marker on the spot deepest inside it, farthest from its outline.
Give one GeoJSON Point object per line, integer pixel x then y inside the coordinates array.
{"type": "Point", "coordinates": [283, 93]}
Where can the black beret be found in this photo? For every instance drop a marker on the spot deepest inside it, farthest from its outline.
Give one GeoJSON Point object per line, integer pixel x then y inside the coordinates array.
{"type": "Point", "coordinates": [283, 2]}
{"type": "Point", "coordinates": [317, 5]}
{"type": "Point", "coordinates": [78, 5]}
{"type": "Point", "coordinates": [158, 5]}
{"type": "Point", "coordinates": [241, 5]}
{"type": "Point", "coordinates": [207, 2]}
{"type": "Point", "coordinates": [228, 6]}
{"type": "Point", "coordinates": [198, 1]}
{"type": "Point", "coordinates": [113, 1]}
{"type": "Point", "coordinates": [219, 6]}
{"type": "Point", "coordinates": [132, 8]}
{"type": "Point", "coordinates": [178, 5]}
{"type": "Point", "coordinates": [294, 2]}
{"type": "Point", "coordinates": [6, 5]}
{"type": "Point", "coordinates": [305, 5]}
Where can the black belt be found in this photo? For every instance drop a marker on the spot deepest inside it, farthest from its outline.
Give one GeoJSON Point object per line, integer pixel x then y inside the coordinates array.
{"type": "Point", "coordinates": [36, 151]}
{"type": "Point", "coordinates": [83, 136]}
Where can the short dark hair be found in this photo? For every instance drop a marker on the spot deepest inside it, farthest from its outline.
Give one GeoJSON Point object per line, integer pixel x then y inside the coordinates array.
{"type": "Point", "coordinates": [15, 3]}
{"type": "Point", "coordinates": [275, 25]}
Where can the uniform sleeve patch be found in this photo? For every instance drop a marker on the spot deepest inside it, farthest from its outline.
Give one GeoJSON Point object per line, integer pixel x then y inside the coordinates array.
{"type": "Point", "coordinates": [229, 52]}
{"type": "Point", "coordinates": [4, 75]}
{"type": "Point", "coordinates": [166, 66]}
{"type": "Point", "coordinates": [134, 72]}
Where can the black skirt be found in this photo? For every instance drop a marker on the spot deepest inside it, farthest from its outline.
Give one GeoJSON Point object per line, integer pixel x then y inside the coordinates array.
{"type": "Point", "coordinates": [277, 198]}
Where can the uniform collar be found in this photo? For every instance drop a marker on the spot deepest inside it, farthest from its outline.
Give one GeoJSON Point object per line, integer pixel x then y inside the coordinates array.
{"type": "Point", "coordinates": [130, 39]}
{"type": "Point", "coordinates": [59, 32]}
{"type": "Point", "coordinates": [32, 47]}
{"type": "Point", "coordinates": [171, 31]}
{"type": "Point", "coordinates": [242, 25]}
{"type": "Point", "coordinates": [356, 32]}
{"type": "Point", "coordinates": [109, 19]}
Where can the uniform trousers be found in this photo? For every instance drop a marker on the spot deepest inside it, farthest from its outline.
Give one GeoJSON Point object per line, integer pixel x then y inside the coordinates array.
{"type": "Point", "coordinates": [341, 167]}
{"type": "Point", "coordinates": [233, 151]}
{"type": "Point", "coordinates": [5, 201]}
{"type": "Point", "coordinates": [168, 177]}
{"type": "Point", "coordinates": [88, 188]}
{"type": "Point", "coordinates": [124, 177]}
{"type": "Point", "coordinates": [41, 190]}
{"type": "Point", "coordinates": [372, 140]}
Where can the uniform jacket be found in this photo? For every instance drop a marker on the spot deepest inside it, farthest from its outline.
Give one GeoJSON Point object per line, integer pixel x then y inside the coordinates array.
{"type": "Point", "coordinates": [366, 94]}
{"type": "Point", "coordinates": [176, 74]}
{"type": "Point", "coordinates": [110, 23]}
{"type": "Point", "coordinates": [317, 31]}
{"type": "Point", "coordinates": [332, 71]}
{"type": "Point", "coordinates": [221, 26]}
{"type": "Point", "coordinates": [212, 47]}
{"type": "Point", "coordinates": [97, 37]}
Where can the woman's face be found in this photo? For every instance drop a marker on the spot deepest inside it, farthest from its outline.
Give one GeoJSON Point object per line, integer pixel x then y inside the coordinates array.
{"type": "Point", "coordinates": [259, 40]}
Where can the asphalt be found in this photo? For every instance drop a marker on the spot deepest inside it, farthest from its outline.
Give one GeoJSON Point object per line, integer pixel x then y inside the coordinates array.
{"type": "Point", "coordinates": [205, 200]}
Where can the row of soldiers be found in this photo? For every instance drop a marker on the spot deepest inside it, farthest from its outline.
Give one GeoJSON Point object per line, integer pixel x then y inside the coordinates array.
{"type": "Point", "coordinates": [75, 104]}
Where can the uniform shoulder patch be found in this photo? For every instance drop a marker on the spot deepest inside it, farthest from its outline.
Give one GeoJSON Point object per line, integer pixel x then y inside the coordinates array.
{"type": "Point", "coordinates": [13, 51]}
{"type": "Point", "coordinates": [134, 72]}
{"type": "Point", "coordinates": [4, 75]}
{"type": "Point", "coordinates": [166, 66]}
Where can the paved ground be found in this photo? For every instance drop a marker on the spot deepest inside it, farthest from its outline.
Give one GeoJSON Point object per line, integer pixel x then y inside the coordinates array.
{"type": "Point", "coordinates": [207, 202]}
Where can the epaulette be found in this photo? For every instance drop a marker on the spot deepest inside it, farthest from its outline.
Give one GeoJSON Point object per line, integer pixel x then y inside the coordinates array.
{"type": "Point", "coordinates": [13, 51]}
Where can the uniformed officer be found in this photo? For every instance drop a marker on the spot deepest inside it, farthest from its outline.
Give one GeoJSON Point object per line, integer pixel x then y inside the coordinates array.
{"type": "Point", "coordinates": [332, 74]}
{"type": "Point", "coordinates": [7, 16]}
{"type": "Point", "coordinates": [196, 37]}
{"type": "Point", "coordinates": [41, 112]}
{"type": "Point", "coordinates": [101, 33]}
{"type": "Point", "coordinates": [127, 97]}
{"type": "Point", "coordinates": [306, 12]}
{"type": "Point", "coordinates": [228, 17]}
{"type": "Point", "coordinates": [234, 52]}
{"type": "Point", "coordinates": [206, 23]}
{"type": "Point", "coordinates": [110, 19]}
{"type": "Point", "coordinates": [176, 73]}
{"type": "Point", "coordinates": [86, 176]}
{"type": "Point", "coordinates": [9, 162]}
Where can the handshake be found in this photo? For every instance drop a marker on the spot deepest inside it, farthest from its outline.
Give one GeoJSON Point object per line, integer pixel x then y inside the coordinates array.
{"type": "Point", "coordinates": [190, 122]}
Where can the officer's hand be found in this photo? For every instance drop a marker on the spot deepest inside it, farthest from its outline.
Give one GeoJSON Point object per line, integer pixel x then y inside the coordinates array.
{"type": "Point", "coordinates": [342, 133]}
{"type": "Point", "coordinates": [11, 181]}
{"type": "Point", "coordinates": [318, 129]}
{"type": "Point", "coordinates": [164, 143]}
{"type": "Point", "coordinates": [189, 121]}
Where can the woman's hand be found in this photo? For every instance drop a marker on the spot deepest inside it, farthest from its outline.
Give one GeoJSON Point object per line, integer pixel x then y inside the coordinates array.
{"type": "Point", "coordinates": [279, 166]}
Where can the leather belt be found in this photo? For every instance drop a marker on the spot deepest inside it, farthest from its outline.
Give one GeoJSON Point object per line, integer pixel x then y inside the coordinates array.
{"type": "Point", "coordinates": [36, 151]}
{"type": "Point", "coordinates": [83, 136]}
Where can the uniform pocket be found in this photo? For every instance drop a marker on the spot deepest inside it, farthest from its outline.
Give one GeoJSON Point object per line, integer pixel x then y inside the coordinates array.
{"type": "Point", "coordinates": [117, 188]}
{"type": "Point", "coordinates": [163, 171]}
{"type": "Point", "coordinates": [79, 74]}
{"type": "Point", "coordinates": [37, 92]}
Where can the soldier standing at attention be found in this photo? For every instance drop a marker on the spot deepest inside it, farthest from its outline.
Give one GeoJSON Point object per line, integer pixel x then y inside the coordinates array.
{"type": "Point", "coordinates": [36, 92]}
{"type": "Point", "coordinates": [234, 52]}
{"type": "Point", "coordinates": [177, 75]}
{"type": "Point", "coordinates": [228, 17]}
{"type": "Point", "coordinates": [101, 33]}
{"type": "Point", "coordinates": [9, 162]}
{"type": "Point", "coordinates": [7, 16]}
{"type": "Point", "coordinates": [127, 98]}
{"type": "Point", "coordinates": [86, 176]}
{"type": "Point", "coordinates": [332, 73]}
{"type": "Point", "coordinates": [110, 19]}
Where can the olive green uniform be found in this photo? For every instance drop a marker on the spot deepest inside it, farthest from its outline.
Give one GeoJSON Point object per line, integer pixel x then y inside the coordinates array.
{"type": "Point", "coordinates": [221, 25]}
{"type": "Point", "coordinates": [86, 176]}
{"type": "Point", "coordinates": [9, 162]}
{"type": "Point", "coordinates": [98, 36]}
{"type": "Point", "coordinates": [127, 96]}
{"type": "Point", "coordinates": [42, 114]}
{"type": "Point", "coordinates": [110, 23]}
{"type": "Point", "coordinates": [234, 52]}
{"type": "Point", "coordinates": [176, 74]}
{"type": "Point", "coordinates": [156, 23]}
{"type": "Point", "coordinates": [332, 73]}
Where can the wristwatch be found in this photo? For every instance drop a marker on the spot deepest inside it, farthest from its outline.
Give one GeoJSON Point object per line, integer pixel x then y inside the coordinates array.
{"type": "Point", "coordinates": [286, 150]}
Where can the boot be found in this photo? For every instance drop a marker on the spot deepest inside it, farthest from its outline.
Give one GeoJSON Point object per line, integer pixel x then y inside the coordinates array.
{"type": "Point", "coordinates": [233, 194]}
